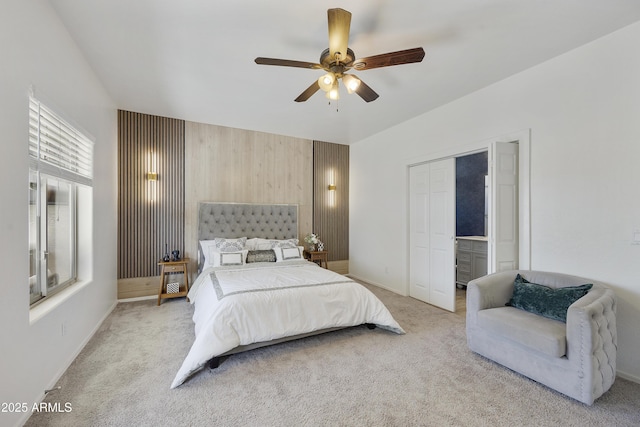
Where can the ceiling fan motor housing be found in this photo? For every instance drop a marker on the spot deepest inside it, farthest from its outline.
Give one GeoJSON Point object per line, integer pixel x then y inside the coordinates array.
{"type": "Point", "coordinates": [337, 66]}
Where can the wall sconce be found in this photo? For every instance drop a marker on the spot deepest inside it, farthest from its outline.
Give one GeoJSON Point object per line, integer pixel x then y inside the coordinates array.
{"type": "Point", "coordinates": [331, 178]}
{"type": "Point", "coordinates": [152, 176]}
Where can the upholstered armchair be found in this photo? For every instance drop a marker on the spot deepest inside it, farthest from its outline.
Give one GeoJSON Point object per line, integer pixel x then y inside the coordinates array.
{"type": "Point", "coordinates": [576, 358]}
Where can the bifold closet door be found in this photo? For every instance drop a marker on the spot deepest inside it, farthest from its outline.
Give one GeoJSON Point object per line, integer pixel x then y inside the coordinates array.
{"type": "Point", "coordinates": [432, 233]}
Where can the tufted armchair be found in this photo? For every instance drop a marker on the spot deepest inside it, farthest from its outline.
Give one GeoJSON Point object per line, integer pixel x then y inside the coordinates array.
{"type": "Point", "coordinates": [577, 359]}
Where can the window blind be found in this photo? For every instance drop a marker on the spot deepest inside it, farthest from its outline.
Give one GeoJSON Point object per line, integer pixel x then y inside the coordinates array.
{"type": "Point", "coordinates": [56, 147]}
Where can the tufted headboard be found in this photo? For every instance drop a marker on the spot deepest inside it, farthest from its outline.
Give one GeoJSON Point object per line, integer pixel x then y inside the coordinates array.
{"type": "Point", "coordinates": [231, 220]}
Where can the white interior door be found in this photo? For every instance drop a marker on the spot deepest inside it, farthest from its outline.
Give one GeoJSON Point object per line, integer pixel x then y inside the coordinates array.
{"type": "Point", "coordinates": [442, 231]}
{"type": "Point", "coordinates": [419, 232]}
{"type": "Point", "coordinates": [504, 207]}
{"type": "Point", "coordinates": [432, 234]}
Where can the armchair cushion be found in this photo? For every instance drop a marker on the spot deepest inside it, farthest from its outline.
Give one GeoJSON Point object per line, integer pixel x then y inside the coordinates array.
{"type": "Point", "coordinates": [552, 303]}
{"type": "Point", "coordinates": [529, 330]}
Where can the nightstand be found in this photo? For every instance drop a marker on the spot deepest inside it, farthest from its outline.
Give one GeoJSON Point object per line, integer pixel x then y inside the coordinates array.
{"type": "Point", "coordinates": [318, 257]}
{"type": "Point", "coordinates": [173, 267]}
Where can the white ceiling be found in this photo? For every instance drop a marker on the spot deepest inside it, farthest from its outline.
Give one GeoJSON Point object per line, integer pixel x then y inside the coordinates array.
{"type": "Point", "coordinates": [194, 59]}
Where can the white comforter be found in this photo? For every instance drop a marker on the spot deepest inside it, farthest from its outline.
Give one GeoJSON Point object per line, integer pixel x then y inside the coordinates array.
{"type": "Point", "coordinates": [265, 301]}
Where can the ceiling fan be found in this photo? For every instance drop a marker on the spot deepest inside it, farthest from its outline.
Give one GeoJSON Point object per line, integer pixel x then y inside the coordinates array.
{"type": "Point", "coordinates": [338, 59]}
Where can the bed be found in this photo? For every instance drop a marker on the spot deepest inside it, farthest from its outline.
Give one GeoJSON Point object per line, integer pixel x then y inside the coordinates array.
{"type": "Point", "coordinates": [254, 287]}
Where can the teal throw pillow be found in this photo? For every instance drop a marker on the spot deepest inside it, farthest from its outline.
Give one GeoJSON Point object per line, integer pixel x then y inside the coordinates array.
{"type": "Point", "coordinates": [543, 300]}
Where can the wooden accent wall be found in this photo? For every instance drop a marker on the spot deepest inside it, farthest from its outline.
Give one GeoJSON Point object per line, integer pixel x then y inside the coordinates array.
{"type": "Point", "coordinates": [200, 162]}
{"type": "Point", "coordinates": [331, 208]}
{"type": "Point", "coordinates": [147, 222]}
{"type": "Point", "coordinates": [225, 164]}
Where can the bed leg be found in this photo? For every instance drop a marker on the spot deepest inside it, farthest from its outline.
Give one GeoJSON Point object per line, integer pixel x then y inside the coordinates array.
{"type": "Point", "coordinates": [370, 325]}
{"type": "Point", "coordinates": [214, 363]}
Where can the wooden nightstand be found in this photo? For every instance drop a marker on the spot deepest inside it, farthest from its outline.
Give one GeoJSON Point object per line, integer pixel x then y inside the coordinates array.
{"type": "Point", "coordinates": [169, 267]}
{"type": "Point", "coordinates": [318, 257]}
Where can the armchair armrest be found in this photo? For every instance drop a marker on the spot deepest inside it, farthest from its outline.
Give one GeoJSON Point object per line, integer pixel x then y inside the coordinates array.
{"type": "Point", "coordinates": [592, 339]}
{"type": "Point", "coordinates": [491, 291]}
{"type": "Point", "coordinates": [591, 321]}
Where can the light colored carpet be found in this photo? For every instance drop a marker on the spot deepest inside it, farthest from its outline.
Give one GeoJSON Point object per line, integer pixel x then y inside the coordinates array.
{"type": "Point", "coordinates": [353, 377]}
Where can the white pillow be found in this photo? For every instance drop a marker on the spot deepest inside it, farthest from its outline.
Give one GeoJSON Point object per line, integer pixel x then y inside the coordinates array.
{"type": "Point", "coordinates": [265, 244]}
{"type": "Point", "coordinates": [230, 245]}
{"type": "Point", "coordinates": [252, 244]}
{"type": "Point", "coordinates": [220, 259]}
{"type": "Point", "coordinates": [220, 245]}
{"type": "Point", "coordinates": [205, 247]}
{"type": "Point", "coordinates": [288, 254]}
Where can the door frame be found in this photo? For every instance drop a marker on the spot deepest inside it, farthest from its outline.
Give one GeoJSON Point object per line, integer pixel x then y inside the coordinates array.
{"type": "Point", "coordinates": [523, 138]}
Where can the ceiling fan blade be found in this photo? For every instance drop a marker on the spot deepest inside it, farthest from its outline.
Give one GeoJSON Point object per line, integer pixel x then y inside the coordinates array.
{"type": "Point", "coordinates": [308, 92]}
{"type": "Point", "coordinates": [388, 59]}
{"type": "Point", "coordinates": [287, 63]}
{"type": "Point", "coordinates": [366, 92]}
{"type": "Point", "coordinates": [339, 27]}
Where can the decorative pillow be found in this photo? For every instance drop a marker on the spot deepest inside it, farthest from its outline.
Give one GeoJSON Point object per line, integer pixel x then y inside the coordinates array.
{"type": "Point", "coordinates": [264, 244]}
{"type": "Point", "coordinates": [221, 259]}
{"type": "Point", "coordinates": [543, 300]}
{"type": "Point", "coordinates": [288, 254]}
{"type": "Point", "coordinates": [205, 250]}
{"type": "Point", "coordinates": [230, 245]}
{"type": "Point", "coordinates": [261, 256]}
{"type": "Point", "coordinates": [252, 244]}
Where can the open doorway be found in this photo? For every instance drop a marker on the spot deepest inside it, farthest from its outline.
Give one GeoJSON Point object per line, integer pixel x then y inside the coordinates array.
{"type": "Point", "coordinates": [432, 222]}
{"type": "Point", "coordinates": [472, 217]}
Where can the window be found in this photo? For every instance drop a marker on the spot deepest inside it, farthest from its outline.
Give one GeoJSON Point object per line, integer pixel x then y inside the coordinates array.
{"type": "Point", "coordinates": [60, 178]}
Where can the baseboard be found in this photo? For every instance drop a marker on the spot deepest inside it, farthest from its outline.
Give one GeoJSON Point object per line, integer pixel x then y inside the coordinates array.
{"type": "Point", "coordinates": [627, 376]}
{"type": "Point", "coordinates": [138, 287]}
{"type": "Point", "coordinates": [61, 372]}
{"type": "Point", "coordinates": [371, 282]}
{"type": "Point", "coordinates": [340, 266]}
{"type": "Point", "coordinates": [138, 298]}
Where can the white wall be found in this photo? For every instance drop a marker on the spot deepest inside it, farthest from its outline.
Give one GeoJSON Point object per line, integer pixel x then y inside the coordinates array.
{"type": "Point", "coordinates": [36, 50]}
{"type": "Point", "coordinates": [583, 111]}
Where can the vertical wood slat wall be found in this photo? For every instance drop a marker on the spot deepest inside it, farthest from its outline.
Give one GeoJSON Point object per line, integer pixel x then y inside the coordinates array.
{"type": "Point", "coordinates": [145, 226]}
{"type": "Point", "coordinates": [226, 164]}
{"type": "Point", "coordinates": [331, 211]}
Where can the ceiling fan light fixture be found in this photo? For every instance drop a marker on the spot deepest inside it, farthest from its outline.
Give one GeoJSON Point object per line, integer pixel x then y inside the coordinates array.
{"type": "Point", "coordinates": [326, 81]}
{"type": "Point", "coordinates": [333, 93]}
{"type": "Point", "coordinates": [351, 82]}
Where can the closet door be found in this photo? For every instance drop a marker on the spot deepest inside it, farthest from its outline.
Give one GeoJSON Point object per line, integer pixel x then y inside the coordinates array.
{"type": "Point", "coordinates": [432, 233]}
{"type": "Point", "coordinates": [504, 207]}
{"type": "Point", "coordinates": [419, 232]}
